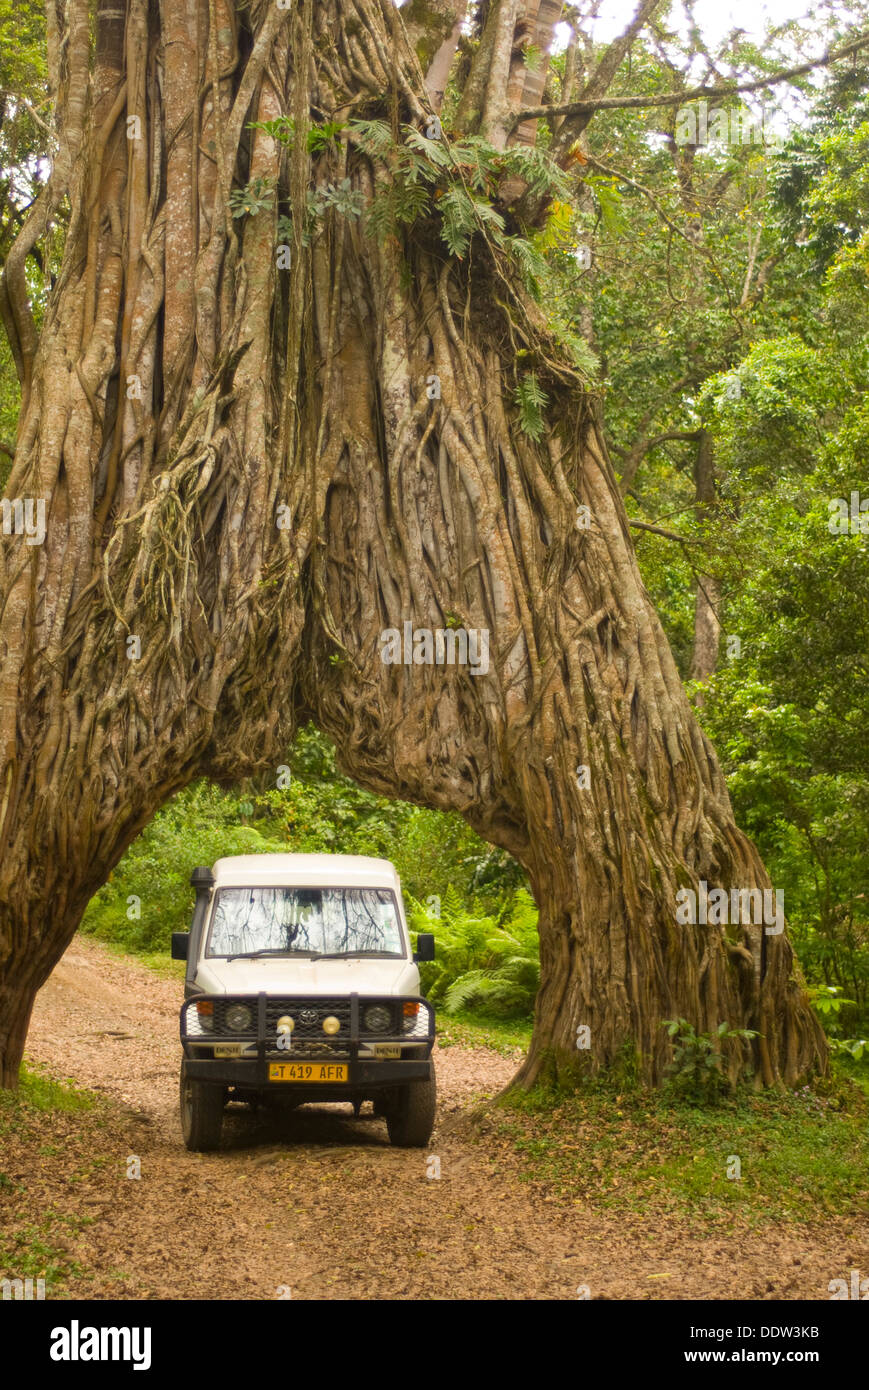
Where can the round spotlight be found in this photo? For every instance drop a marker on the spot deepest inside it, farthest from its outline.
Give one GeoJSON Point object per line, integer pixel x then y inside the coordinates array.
{"type": "Point", "coordinates": [377, 1019]}
{"type": "Point", "coordinates": [238, 1017]}
{"type": "Point", "coordinates": [331, 1025]}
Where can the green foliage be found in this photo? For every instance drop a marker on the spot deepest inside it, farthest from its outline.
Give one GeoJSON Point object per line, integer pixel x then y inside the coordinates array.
{"type": "Point", "coordinates": [531, 400]}
{"type": "Point", "coordinates": [38, 1091]}
{"type": "Point", "coordinates": [611, 203]}
{"type": "Point", "coordinates": [827, 1000]}
{"type": "Point", "coordinates": [456, 181]}
{"type": "Point", "coordinates": [256, 196]}
{"type": "Point", "coordinates": [818, 180]}
{"type": "Point", "coordinates": [790, 715]}
{"type": "Point", "coordinates": [639, 1151]}
{"type": "Point", "coordinates": [462, 213]}
{"type": "Point", "coordinates": [695, 1073]}
{"type": "Point", "coordinates": [783, 397]}
{"type": "Point", "coordinates": [530, 263]}
{"type": "Point", "coordinates": [323, 137]}
{"type": "Point", "coordinates": [782, 387]}
{"type": "Point", "coordinates": [196, 827]}
{"type": "Point", "coordinates": [339, 197]}
{"type": "Point", "coordinates": [480, 963]}
{"type": "Point", "coordinates": [320, 812]}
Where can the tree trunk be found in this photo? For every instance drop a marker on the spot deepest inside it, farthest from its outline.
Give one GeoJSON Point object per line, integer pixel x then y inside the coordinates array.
{"type": "Point", "coordinates": [247, 484]}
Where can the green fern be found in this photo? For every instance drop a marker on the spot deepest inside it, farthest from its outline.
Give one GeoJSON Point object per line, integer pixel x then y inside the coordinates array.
{"type": "Point", "coordinates": [509, 988]}
{"type": "Point", "coordinates": [453, 181]}
{"type": "Point", "coordinates": [436, 152]}
{"type": "Point", "coordinates": [531, 400]}
{"type": "Point", "coordinates": [536, 168]}
{"type": "Point", "coordinates": [396, 205]}
{"type": "Point", "coordinates": [584, 359]}
{"type": "Point", "coordinates": [480, 963]}
{"type": "Point", "coordinates": [532, 266]}
{"type": "Point", "coordinates": [374, 138]}
{"type": "Point", "coordinates": [461, 215]}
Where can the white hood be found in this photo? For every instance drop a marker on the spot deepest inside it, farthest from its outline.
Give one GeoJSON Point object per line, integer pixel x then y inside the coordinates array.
{"type": "Point", "coordinates": [276, 975]}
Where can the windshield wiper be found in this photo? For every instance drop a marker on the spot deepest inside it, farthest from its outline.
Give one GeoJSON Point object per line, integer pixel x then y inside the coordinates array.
{"type": "Point", "coordinates": [308, 955]}
{"type": "Point", "coordinates": [266, 951]}
{"type": "Point", "coordinates": [346, 955]}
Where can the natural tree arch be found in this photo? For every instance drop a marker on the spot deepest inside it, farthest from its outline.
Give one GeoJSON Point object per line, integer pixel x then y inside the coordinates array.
{"type": "Point", "coordinates": [191, 390]}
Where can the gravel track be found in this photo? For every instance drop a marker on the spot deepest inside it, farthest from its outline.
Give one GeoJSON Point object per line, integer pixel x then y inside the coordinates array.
{"type": "Point", "coordinates": [317, 1205]}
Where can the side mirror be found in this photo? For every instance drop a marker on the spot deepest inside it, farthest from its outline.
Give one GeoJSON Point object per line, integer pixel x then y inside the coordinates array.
{"type": "Point", "coordinates": [425, 946]}
{"type": "Point", "coordinates": [180, 941]}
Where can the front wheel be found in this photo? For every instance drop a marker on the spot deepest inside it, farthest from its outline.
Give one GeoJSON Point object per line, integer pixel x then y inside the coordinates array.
{"type": "Point", "coordinates": [410, 1116]}
{"type": "Point", "coordinates": [201, 1114]}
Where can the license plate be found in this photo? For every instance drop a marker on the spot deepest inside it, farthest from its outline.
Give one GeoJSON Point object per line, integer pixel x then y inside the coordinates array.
{"type": "Point", "coordinates": [308, 1071]}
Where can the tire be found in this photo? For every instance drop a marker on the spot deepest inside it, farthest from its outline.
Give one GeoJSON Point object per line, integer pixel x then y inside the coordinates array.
{"type": "Point", "coordinates": [201, 1114]}
{"type": "Point", "coordinates": [411, 1115]}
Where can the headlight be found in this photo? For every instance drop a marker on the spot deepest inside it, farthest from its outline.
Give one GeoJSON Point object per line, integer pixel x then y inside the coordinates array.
{"type": "Point", "coordinates": [410, 1014]}
{"type": "Point", "coordinates": [238, 1018]}
{"type": "Point", "coordinates": [331, 1025]}
{"type": "Point", "coordinates": [377, 1019]}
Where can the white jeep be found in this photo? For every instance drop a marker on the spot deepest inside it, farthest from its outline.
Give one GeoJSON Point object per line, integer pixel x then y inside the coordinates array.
{"type": "Point", "coordinates": [301, 985]}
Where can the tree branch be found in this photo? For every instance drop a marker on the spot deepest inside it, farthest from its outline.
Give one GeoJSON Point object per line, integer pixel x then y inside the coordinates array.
{"type": "Point", "coordinates": [728, 89]}
{"type": "Point", "coordinates": [659, 531]}
{"type": "Point", "coordinates": [599, 80]}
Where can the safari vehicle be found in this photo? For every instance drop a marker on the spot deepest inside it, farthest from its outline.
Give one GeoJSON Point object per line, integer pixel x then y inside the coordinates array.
{"type": "Point", "coordinates": [301, 986]}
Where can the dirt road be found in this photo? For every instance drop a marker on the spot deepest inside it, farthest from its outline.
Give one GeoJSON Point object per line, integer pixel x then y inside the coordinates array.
{"type": "Point", "coordinates": [317, 1205]}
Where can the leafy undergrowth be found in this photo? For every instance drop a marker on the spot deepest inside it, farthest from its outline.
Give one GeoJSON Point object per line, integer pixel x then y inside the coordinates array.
{"type": "Point", "coordinates": [476, 1029]}
{"type": "Point", "coordinates": [796, 1156]}
{"type": "Point", "coordinates": [160, 962]}
{"type": "Point", "coordinates": [37, 1125]}
{"type": "Point", "coordinates": [38, 1091]}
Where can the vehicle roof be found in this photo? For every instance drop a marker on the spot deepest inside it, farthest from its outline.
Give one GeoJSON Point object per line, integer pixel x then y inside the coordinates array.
{"type": "Point", "coordinates": [310, 870]}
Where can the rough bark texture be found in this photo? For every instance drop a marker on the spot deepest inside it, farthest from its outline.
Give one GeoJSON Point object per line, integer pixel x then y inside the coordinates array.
{"type": "Point", "coordinates": [185, 389]}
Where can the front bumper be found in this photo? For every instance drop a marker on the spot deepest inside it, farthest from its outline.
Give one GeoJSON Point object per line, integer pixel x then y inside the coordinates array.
{"type": "Point", "coordinates": [253, 1076]}
{"type": "Point", "coordinates": [353, 1048]}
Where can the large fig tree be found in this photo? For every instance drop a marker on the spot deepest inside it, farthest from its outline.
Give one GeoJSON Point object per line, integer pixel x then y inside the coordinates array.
{"type": "Point", "coordinates": [292, 391]}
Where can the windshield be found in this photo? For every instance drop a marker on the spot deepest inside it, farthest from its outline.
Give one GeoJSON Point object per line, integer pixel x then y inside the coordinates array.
{"type": "Point", "coordinates": [305, 921]}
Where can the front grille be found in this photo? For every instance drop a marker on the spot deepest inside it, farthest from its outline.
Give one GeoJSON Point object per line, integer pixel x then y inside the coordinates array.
{"type": "Point", "coordinates": [310, 1027]}
{"type": "Point", "coordinates": [305, 1048]}
{"type": "Point", "coordinates": [307, 1014]}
